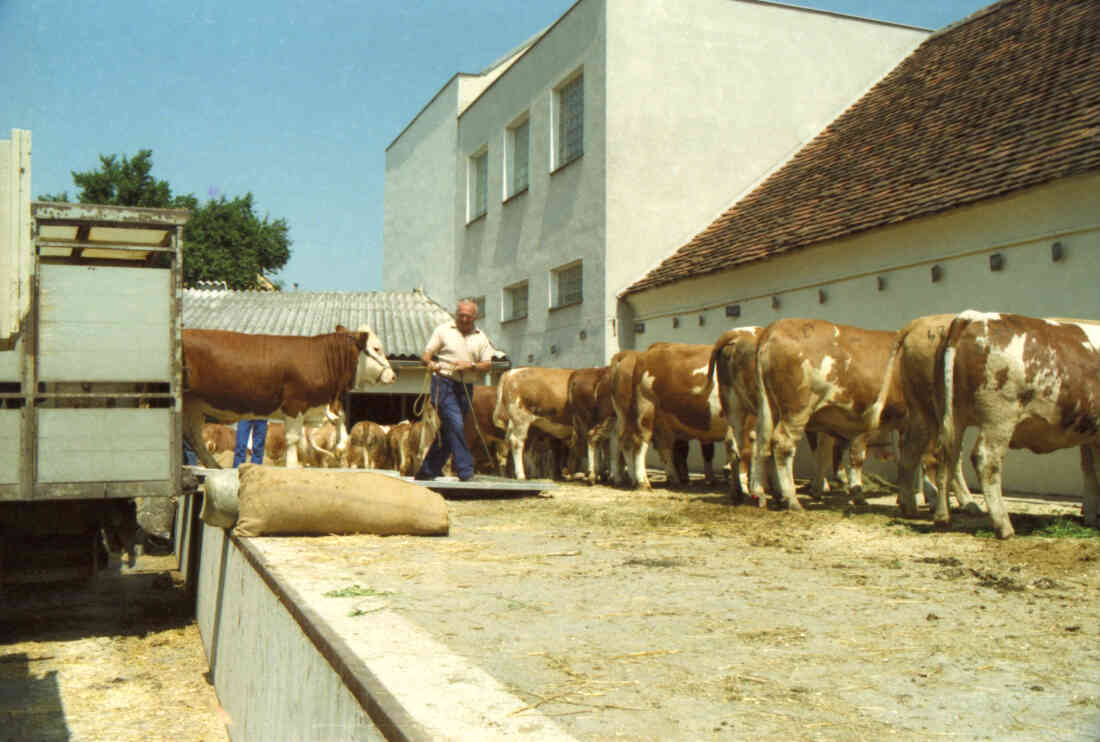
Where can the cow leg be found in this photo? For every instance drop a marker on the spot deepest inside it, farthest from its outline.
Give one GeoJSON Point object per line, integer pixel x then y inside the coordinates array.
{"type": "Point", "coordinates": [193, 419]}
{"type": "Point", "coordinates": [517, 439]}
{"type": "Point", "coordinates": [666, 446]}
{"type": "Point", "coordinates": [761, 450]}
{"type": "Point", "coordinates": [1090, 492]}
{"type": "Point", "coordinates": [989, 453]}
{"type": "Point", "coordinates": [857, 457]}
{"type": "Point", "coordinates": [293, 436]}
{"type": "Point", "coordinates": [823, 464]}
{"type": "Point", "coordinates": [910, 471]}
{"type": "Point", "coordinates": [962, 492]}
{"type": "Point", "coordinates": [784, 445]}
{"type": "Point", "coordinates": [708, 462]}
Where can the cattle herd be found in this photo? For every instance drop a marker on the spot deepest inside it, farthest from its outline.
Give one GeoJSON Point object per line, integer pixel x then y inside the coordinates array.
{"type": "Point", "coordinates": [1022, 382]}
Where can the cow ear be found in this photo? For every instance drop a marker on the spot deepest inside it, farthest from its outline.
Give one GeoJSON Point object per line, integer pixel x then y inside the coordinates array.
{"type": "Point", "coordinates": [341, 328]}
{"type": "Point", "coordinates": [361, 339]}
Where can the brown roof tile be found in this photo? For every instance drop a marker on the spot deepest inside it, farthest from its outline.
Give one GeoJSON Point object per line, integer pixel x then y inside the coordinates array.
{"type": "Point", "coordinates": [1006, 99]}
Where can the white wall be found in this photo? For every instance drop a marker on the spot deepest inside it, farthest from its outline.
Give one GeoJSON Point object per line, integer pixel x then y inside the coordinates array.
{"type": "Point", "coordinates": [1021, 227]}
{"type": "Point", "coordinates": [707, 96]}
{"type": "Point", "coordinates": [559, 218]}
{"type": "Point", "coordinates": [418, 230]}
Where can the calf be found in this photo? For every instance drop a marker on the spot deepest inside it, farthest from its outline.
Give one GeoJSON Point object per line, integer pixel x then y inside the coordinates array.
{"type": "Point", "coordinates": [218, 438]}
{"type": "Point", "coordinates": [318, 446]}
{"type": "Point", "coordinates": [410, 441]}
{"type": "Point", "coordinates": [815, 375]}
{"type": "Point", "coordinates": [1024, 383]}
{"type": "Point", "coordinates": [368, 446]}
{"type": "Point", "coordinates": [529, 397]}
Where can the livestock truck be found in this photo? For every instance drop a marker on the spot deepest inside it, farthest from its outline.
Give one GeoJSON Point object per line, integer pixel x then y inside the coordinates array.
{"type": "Point", "coordinates": [90, 374]}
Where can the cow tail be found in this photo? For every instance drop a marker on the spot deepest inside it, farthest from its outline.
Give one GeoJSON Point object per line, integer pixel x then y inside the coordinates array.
{"type": "Point", "coordinates": [943, 398]}
{"type": "Point", "coordinates": [872, 418]}
{"type": "Point", "coordinates": [765, 423]}
{"type": "Point", "coordinates": [712, 379]}
{"type": "Point", "coordinates": [500, 415]}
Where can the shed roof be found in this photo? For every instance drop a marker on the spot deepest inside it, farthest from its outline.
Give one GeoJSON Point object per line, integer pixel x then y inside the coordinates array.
{"type": "Point", "coordinates": [1008, 98]}
{"type": "Point", "coordinates": [404, 320]}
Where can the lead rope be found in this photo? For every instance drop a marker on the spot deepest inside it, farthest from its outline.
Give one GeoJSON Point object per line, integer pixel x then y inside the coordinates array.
{"type": "Point", "coordinates": [418, 410]}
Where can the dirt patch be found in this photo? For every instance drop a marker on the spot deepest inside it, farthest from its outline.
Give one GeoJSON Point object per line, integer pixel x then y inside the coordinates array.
{"type": "Point", "coordinates": [674, 615]}
{"type": "Point", "coordinates": [117, 658]}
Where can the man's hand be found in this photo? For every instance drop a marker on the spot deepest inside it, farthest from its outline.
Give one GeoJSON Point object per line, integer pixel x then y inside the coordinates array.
{"type": "Point", "coordinates": [463, 365]}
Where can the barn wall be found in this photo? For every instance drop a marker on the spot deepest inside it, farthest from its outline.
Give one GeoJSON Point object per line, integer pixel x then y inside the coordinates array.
{"type": "Point", "coordinates": [1021, 228]}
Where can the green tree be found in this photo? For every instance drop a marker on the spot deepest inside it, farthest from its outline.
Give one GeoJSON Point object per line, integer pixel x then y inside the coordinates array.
{"type": "Point", "coordinates": [223, 241]}
{"type": "Point", "coordinates": [226, 241]}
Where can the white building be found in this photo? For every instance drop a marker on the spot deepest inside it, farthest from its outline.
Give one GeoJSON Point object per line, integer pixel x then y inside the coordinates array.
{"type": "Point", "coordinates": [968, 178]}
{"type": "Point", "coordinates": [551, 181]}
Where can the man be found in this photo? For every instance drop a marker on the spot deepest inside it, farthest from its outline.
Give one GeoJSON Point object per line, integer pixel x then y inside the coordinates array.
{"type": "Point", "coordinates": [457, 354]}
{"type": "Point", "coordinates": [258, 430]}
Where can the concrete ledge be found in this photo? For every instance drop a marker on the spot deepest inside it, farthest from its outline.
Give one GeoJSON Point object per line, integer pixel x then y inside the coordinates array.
{"type": "Point", "coordinates": [288, 664]}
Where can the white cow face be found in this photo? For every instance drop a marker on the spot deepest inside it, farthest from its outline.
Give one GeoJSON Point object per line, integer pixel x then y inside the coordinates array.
{"type": "Point", "coordinates": [373, 368]}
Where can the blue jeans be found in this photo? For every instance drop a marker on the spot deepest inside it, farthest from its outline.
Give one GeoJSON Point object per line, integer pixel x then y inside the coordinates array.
{"type": "Point", "coordinates": [258, 428]}
{"type": "Point", "coordinates": [452, 399]}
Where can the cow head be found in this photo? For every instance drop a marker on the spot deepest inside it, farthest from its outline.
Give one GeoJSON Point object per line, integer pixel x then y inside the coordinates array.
{"type": "Point", "coordinates": [373, 368]}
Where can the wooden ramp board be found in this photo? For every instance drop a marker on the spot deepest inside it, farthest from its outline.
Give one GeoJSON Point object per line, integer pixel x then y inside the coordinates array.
{"type": "Point", "coordinates": [482, 485]}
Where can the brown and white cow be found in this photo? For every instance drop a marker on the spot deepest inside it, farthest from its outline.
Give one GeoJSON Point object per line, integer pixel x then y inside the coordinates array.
{"type": "Point", "coordinates": [675, 399]}
{"type": "Point", "coordinates": [527, 397]}
{"type": "Point", "coordinates": [588, 405]}
{"type": "Point", "coordinates": [485, 440]}
{"type": "Point", "coordinates": [912, 362]}
{"type": "Point", "coordinates": [733, 367]}
{"type": "Point", "coordinates": [1023, 382]}
{"type": "Point", "coordinates": [816, 375]}
{"type": "Point", "coordinates": [319, 446]}
{"type": "Point", "coordinates": [621, 373]}
{"type": "Point", "coordinates": [232, 376]}
{"type": "Point", "coordinates": [368, 446]}
{"type": "Point", "coordinates": [410, 440]}
{"type": "Point", "coordinates": [275, 443]}
{"type": "Point", "coordinates": [218, 438]}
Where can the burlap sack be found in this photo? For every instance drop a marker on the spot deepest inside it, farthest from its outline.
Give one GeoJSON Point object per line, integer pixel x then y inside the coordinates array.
{"type": "Point", "coordinates": [274, 500]}
{"type": "Point", "coordinates": [219, 502]}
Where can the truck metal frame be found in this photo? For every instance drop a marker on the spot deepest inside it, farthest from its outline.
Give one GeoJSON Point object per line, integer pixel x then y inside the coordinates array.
{"type": "Point", "coordinates": [91, 388]}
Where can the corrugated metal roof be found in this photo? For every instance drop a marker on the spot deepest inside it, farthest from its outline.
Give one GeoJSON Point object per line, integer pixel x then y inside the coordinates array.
{"type": "Point", "coordinates": [404, 320]}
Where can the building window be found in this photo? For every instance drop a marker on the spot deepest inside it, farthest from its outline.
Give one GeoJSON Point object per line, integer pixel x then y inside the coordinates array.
{"type": "Point", "coordinates": [516, 156]}
{"type": "Point", "coordinates": [478, 184]}
{"type": "Point", "coordinates": [514, 302]}
{"type": "Point", "coordinates": [569, 121]}
{"type": "Point", "coordinates": [566, 285]}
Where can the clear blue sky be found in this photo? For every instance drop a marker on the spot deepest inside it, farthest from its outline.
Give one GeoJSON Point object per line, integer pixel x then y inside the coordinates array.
{"type": "Point", "coordinates": [293, 101]}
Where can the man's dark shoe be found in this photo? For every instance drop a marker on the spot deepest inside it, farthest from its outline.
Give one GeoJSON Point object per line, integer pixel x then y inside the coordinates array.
{"type": "Point", "coordinates": [422, 477]}
{"type": "Point", "coordinates": [466, 478]}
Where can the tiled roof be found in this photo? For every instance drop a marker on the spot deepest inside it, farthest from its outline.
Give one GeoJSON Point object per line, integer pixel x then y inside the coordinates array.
{"type": "Point", "coordinates": [404, 320]}
{"type": "Point", "coordinates": [1006, 99]}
